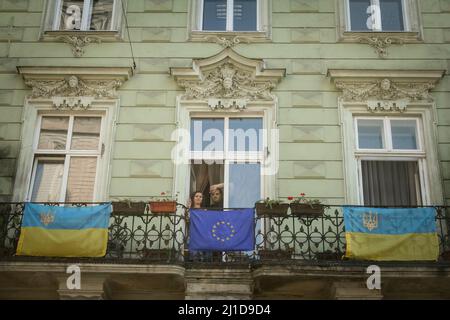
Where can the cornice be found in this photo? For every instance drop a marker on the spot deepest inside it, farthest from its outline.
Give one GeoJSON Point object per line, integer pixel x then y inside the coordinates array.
{"type": "Point", "coordinates": [227, 80]}
{"type": "Point", "coordinates": [386, 90]}
{"type": "Point", "coordinates": [74, 87]}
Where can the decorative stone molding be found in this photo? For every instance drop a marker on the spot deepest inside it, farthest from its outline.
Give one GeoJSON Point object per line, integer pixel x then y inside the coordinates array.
{"type": "Point", "coordinates": [71, 88]}
{"type": "Point", "coordinates": [381, 44]}
{"type": "Point", "coordinates": [227, 80]}
{"type": "Point", "coordinates": [227, 104]}
{"type": "Point", "coordinates": [227, 41]}
{"type": "Point", "coordinates": [78, 42]}
{"type": "Point", "coordinates": [386, 90]}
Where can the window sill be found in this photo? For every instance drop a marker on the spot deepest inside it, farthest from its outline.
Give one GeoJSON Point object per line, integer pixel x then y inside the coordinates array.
{"type": "Point", "coordinates": [80, 39]}
{"type": "Point", "coordinates": [102, 35]}
{"type": "Point", "coordinates": [229, 38]}
{"type": "Point", "coordinates": [403, 36]}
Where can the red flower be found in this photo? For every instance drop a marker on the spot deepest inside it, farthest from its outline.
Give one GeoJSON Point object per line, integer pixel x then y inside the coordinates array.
{"type": "Point", "coordinates": [302, 194]}
{"type": "Point", "coordinates": [290, 198]}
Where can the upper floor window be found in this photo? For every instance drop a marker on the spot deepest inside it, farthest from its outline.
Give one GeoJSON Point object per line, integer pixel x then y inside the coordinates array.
{"type": "Point", "coordinates": [66, 156]}
{"type": "Point", "coordinates": [230, 15]}
{"type": "Point", "coordinates": [377, 15]}
{"type": "Point", "coordinates": [391, 161]}
{"type": "Point", "coordinates": [83, 15]}
{"type": "Point", "coordinates": [227, 157]}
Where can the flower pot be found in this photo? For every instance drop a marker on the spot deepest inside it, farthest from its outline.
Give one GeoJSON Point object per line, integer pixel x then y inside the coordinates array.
{"type": "Point", "coordinates": [130, 208]}
{"type": "Point", "coordinates": [163, 206]}
{"type": "Point", "coordinates": [276, 210]}
{"type": "Point", "coordinates": [309, 210]}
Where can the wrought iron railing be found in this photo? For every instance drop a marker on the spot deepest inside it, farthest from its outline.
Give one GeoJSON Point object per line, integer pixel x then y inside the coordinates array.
{"type": "Point", "coordinates": [144, 237]}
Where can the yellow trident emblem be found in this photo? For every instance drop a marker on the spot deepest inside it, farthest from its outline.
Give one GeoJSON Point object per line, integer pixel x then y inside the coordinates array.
{"type": "Point", "coordinates": [370, 220]}
{"type": "Point", "coordinates": [47, 218]}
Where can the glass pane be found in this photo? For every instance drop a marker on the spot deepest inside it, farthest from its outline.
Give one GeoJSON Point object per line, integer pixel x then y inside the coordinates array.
{"type": "Point", "coordinates": [245, 134]}
{"type": "Point", "coordinates": [86, 133]}
{"type": "Point", "coordinates": [101, 18]}
{"type": "Point", "coordinates": [47, 181]}
{"type": "Point", "coordinates": [370, 134]}
{"type": "Point", "coordinates": [207, 179]}
{"type": "Point", "coordinates": [71, 15]}
{"type": "Point", "coordinates": [392, 15]}
{"type": "Point", "coordinates": [404, 134]}
{"type": "Point", "coordinates": [53, 135]}
{"type": "Point", "coordinates": [214, 15]}
{"type": "Point", "coordinates": [245, 185]}
{"type": "Point", "coordinates": [359, 16]}
{"type": "Point", "coordinates": [81, 180]}
{"type": "Point", "coordinates": [245, 15]}
{"type": "Point", "coordinates": [207, 134]}
{"type": "Point", "coordinates": [391, 183]}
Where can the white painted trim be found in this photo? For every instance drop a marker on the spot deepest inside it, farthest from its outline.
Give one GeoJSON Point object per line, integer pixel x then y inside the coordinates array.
{"type": "Point", "coordinates": [55, 16]}
{"type": "Point", "coordinates": [184, 112]}
{"type": "Point", "coordinates": [31, 115]}
{"type": "Point", "coordinates": [263, 22]}
{"type": "Point", "coordinates": [432, 192]}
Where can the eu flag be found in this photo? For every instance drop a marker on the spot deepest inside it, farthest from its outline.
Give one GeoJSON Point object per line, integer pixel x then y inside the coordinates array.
{"type": "Point", "coordinates": [232, 230]}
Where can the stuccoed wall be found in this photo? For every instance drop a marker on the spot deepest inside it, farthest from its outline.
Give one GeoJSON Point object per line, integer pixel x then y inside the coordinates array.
{"type": "Point", "coordinates": [304, 42]}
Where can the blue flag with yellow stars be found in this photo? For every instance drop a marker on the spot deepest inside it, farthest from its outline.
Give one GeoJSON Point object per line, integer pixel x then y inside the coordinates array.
{"type": "Point", "coordinates": [232, 230]}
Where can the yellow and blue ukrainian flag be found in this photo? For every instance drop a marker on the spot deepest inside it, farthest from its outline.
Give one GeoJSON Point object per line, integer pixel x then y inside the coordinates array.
{"type": "Point", "coordinates": [53, 231]}
{"type": "Point", "coordinates": [380, 234]}
{"type": "Point", "coordinates": [232, 230]}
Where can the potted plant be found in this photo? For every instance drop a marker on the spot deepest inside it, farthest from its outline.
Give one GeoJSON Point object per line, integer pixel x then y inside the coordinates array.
{"type": "Point", "coordinates": [163, 204]}
{"type": "Point", "coordinates": [269, 207]}
{"type": "Point", "coordinates": [127, 206]}
{"type": "Point", "coordinates": [303, 206]}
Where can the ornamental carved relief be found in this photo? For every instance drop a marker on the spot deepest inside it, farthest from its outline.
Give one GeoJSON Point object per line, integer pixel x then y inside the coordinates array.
{"type": "Point", "coordinates": [228, 81]}
{"type": "Point", "coordinates": [78, 43]}
{"type": "Point", "coordinates": [228, 42]}
{"type": "Point", "coordinates": [73, 87]}
{"type": "Point", "coordinates": [385, 90]}
{"type": "Point", "coordinates": [381, 44]}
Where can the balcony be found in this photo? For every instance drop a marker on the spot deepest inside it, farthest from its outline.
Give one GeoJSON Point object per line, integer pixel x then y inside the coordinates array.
{"type": "Point", "coordinates": [147, 238]}
{"type": "Point", "coordinates": [148, 258]}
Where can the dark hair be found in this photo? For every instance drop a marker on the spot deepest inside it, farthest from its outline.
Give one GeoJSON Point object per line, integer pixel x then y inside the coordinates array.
{"type": "Point", "coordinates": [193, 196]}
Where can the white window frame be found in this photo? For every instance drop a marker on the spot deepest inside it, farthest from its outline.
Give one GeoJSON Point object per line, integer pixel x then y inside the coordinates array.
{"type": "Point", "coordinates": [230, 17]}
{"type": "Point", "coordinates": [427, 156]}
{"type": "Point", "coordinates": [53, 18]}
{"type": "Point", "coordinates": [263, 22]}
{"type": "Point", "coordinates": [188, 110]}
{"type": "Point", "coordinates": [33, 111]}
{"type": "Point", "coordinates": [231, 156]}
{"type": "Point", "coordinates": [389, 154]}
{"type": "Point", "coordinates": [67, 154]}
{"type": "Point", "coordinates": [406, 24]}
{"type": "Point", "coordinates": [412, 33]}
{"type": "Point", "coordinates": [387, 135]}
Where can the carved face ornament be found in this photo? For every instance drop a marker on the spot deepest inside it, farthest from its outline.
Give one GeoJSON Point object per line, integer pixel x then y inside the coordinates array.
{"type": "Point", "coordinates": [385, 84]}
{"type": "Point", "coordinates": [73, 82]}
{"type": "Point", "coordinates": [227, 77]}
